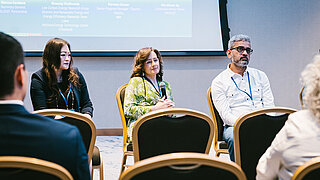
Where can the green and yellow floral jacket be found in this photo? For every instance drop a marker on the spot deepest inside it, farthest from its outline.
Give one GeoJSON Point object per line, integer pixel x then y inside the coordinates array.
{"type": "Point", "coordinates": [139, 97]}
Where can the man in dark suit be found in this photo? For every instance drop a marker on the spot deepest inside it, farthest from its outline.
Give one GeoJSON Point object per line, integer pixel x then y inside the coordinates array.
{"type": "Point", "coordinates": [25, 134]}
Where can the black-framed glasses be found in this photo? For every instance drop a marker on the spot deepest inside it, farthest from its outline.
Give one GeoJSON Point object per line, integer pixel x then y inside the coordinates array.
{"type": "Point", "coordinates": [240, 49]}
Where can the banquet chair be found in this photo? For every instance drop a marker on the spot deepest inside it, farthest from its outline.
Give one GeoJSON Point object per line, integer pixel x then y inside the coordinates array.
{"type": "Point", "coordinates": [220, 145]}
{"type": "Point", "coordinates": [127, 150]}
{"type": "Point", "coordinates": [308, 171]}
{"type": "Point", "coordinates": [87, 130]}
{"type": "Point", "coordinates": [253, 134]}
{"type": "Point", "coordinates": [20, 167]}
{"type": "Point", "coordinates": [184, 166]}
{"type": "Point", "coordinates": [171, 130]}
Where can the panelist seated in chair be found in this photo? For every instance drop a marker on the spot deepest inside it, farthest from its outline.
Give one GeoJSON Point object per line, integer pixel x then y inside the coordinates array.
{"type": "Point", "coordinates": [299, 139]}
{"type": "Point", "coordinates": [59, 85]}
{"type": "Point", "coordinates": [143, 93]}
{"type": "Point", "coordinates": [239, 89]}
{"type": "Point", "coordinates": [26, 134]}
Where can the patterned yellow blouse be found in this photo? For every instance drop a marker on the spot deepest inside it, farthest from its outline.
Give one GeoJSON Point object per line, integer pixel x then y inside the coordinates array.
{"type": "Point", "coordinates": [139, 97]}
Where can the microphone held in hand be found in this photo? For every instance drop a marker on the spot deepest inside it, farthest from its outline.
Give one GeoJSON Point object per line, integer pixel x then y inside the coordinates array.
{"type": "Point", "coordinates": [163, 90]}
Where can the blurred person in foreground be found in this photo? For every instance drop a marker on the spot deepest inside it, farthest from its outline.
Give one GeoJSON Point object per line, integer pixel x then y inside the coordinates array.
{"type": "Point", "coordinates": [25, 134]}
{"type": "Point", "coordinates": [299, 139]}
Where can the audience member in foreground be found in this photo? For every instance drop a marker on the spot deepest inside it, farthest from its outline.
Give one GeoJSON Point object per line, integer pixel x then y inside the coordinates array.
{"type": "Point", "coordinates": [143, 92]}
{"type": "Point", "coordinates": [239, 89]}
{"type": "Point", "coordinates": [25, 134]}
{"type": "Point", "coordinates": [299, 139]}
{"type": "Point", "coordinates": [58, 84]}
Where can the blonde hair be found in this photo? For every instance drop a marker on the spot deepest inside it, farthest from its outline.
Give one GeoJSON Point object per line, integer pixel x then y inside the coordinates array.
{"type": "Point", "coordinates": [311, 80]}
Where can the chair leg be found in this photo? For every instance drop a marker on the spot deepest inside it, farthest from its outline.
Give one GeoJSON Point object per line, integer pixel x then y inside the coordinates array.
{"type": "Point", "coordinates": [101, 169]}
{"type": "Point", "coordinates": [124, 161]}
{"type": "Point", "coordinates": [217, 154]}
{"type": "Point", "coordinates": [91, 168]}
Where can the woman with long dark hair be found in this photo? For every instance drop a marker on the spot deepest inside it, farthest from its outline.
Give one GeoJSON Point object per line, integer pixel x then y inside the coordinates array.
{"type": "Point", "coordinates": [58, 84]}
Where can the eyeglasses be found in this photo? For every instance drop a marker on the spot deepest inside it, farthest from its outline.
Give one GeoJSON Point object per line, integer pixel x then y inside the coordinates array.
{"type": "Point", "coordinates": [240, 49]}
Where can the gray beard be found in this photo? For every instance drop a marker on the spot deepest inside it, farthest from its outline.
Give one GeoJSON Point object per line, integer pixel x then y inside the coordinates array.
{"type": "Point", "coordinates": [240, 63]}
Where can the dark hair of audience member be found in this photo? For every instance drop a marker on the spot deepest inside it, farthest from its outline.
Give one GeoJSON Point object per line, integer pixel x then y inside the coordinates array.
{"type": "Point", "coordinates": [11, 56]}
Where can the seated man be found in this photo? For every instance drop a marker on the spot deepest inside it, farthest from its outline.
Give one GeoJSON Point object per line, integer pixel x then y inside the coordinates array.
{"type": "Point", "coordinates": [299, 139]}
{"type": "Point", "coordinates": [239, 89]}
{"type": "Point", "coordinates": [25, 134]}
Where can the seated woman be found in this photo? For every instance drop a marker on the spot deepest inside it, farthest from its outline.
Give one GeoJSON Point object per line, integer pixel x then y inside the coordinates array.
{"type": "Point", "coordinates": [58, 84]}
{"type": "Point", "coordinates": [143, 93]}
{"type": "Point", "coordinates": [299, 139]}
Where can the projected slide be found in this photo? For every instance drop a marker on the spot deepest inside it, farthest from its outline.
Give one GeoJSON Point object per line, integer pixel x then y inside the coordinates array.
{"type": "Point", "coordinates": [97, 18]}
{"type": "Point", "coordinates": [115, 25]}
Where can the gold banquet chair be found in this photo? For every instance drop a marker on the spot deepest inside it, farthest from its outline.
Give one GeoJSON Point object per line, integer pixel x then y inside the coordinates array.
{"type": "Point", "coordinates": [220, 146]}
{"type": "Point", "coordinates": [308, 171]}
{"type": "Point", "coordinates": [87, 130]}
{"type": "Point", "coordinates": [253, 134]}
{"type": "Point", "coordinates": [127, 150]}
{"type": "Point", "coordinates": [171, 130]}
{"type": "Point", "coordinates": [184, 166]}
{"type": "Point", "coordinates": [20, 167]}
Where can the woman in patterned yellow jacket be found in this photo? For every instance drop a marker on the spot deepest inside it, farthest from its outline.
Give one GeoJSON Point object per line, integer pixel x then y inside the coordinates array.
{"type": "Point", "coordinates": [143, 93]}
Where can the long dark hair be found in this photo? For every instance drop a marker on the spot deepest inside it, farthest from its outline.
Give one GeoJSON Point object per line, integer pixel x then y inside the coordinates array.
{"type": "Point", "coordinates": [139, 60]}
{"type": "Point", "coordinates": [52, 61]}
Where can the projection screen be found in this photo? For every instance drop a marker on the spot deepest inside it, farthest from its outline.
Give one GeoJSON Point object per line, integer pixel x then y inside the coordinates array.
{"type": "Point", "coordinates": [118, 27]}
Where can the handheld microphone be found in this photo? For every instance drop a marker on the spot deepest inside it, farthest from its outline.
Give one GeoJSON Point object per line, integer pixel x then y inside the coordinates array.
{"type": "Point", "coordinates": [162, 86]}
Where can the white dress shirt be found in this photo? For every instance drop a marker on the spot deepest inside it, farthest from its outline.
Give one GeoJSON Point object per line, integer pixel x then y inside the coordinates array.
{"type": "Point", "coordinates": [11, 102]}
{"type": "Point", "coordinates": [297, 142]}
{"type": "Point", "coordinates": [232, 97]}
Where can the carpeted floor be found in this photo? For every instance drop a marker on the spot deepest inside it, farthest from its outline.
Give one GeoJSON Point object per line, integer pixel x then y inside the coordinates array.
{"type": "Point", "coordinates": [111, 152]}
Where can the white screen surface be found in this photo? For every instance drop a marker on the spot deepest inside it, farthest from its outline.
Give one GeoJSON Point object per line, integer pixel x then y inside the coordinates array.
{"type": "Point", "coordinates": [115, 25]}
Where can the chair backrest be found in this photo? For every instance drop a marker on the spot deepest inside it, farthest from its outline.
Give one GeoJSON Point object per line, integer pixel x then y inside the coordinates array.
{"type": "Point", "coordinates": [83, 123]}
{"type": "Point", "coordinates": [120, 101]}
{"type": "Point", "coordinates": [183, 166]}
{"type": "Point", "coordinates": [171, 130]}
{"type": "Point", "coordinates": [218, 123]}
{"type": "Point", "coordinates": [308, 171]}
{"type": "Point", "coordinates": [19, 167]}
{"type": "Point", "coordinates": [253, 134]}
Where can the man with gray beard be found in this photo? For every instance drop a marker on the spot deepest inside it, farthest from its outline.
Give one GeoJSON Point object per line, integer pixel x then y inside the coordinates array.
{"type": "Point", "coordinates": [239, 89]}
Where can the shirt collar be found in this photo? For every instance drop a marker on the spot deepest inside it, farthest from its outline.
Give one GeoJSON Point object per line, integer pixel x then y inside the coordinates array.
{"type": "Point", "coordinates": [233, 74]}
{"type": "Point", "coordinates": [11, 102]}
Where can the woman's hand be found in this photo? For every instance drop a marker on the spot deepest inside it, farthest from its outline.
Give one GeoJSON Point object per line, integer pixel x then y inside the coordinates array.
{"type": "Point", "coordinates": [163, 104]}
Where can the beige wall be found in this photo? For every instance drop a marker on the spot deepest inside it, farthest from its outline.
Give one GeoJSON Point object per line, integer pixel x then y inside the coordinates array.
{"type": "Point", "coordinates": [285, 35]}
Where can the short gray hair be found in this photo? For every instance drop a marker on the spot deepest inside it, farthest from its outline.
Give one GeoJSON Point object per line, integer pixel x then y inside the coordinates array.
{"type": "Point", "coordinates": [239, 37]}
{"type": "Point", "coordinates": [311, 81]}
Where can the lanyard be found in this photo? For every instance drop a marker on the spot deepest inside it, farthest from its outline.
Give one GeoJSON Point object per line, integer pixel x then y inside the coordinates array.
{"type": "Point", "coordinates": [157, 89]}
{"type": "Point", "coordinates": [250, 95]}
{"type": "Point", "coordinates": [64, 98]}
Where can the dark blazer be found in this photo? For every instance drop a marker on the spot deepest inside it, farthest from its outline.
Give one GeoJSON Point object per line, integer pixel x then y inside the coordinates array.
{"type": "Point", "coordinates": [25, 134]}
{"type": "Point", "coordinates": [40, 93]}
